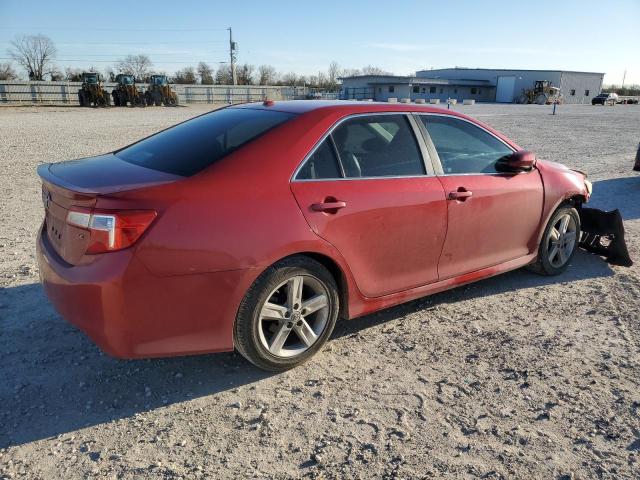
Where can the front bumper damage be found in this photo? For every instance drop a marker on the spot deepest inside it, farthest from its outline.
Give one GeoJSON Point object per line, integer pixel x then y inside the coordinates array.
{"type": "Point", "coordinates": [603, 234]}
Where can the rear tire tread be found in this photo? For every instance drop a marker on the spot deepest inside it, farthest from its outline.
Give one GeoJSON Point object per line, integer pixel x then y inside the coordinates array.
{"type": "Point", "coordinates": [244, 326]}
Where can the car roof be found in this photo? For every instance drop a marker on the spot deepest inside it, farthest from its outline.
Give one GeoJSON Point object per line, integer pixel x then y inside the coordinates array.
{"type": "Point", "coordinates": [343, 106]}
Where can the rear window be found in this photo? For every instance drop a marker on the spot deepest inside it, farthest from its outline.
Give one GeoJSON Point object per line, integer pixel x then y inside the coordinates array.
{"type": "Point", "coordinates": [195, 144]}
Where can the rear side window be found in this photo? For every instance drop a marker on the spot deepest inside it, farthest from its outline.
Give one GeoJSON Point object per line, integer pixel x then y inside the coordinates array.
{"type": "Point", "coordinates": [463, 147]}
{"type": "Point", "coordinates": [195, 144]}
{"type": "Point", "coordinates": [322, 164]}
{"type": "Point", "coordinates": [378, 146]}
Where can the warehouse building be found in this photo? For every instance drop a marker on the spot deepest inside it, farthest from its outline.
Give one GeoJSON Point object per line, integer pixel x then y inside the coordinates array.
{"type": "Point", "coordinates": [383, 87]}
{"type": "Point", "coordinates": [480, 84]}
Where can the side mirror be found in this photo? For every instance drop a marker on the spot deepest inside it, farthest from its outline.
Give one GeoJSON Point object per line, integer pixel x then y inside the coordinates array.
{"type": "Point", "coordinates": [520, 161]}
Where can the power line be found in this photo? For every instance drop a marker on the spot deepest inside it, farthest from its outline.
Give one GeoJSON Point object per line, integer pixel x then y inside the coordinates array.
{"type": "Point", "coordinates": [143, 53]}
{"type": "Point", "coordinates": [113, 61]}
{"type": "Point", "coordinates": [194, 42]}
{"type": "Point", "coordinates": [110, 29]}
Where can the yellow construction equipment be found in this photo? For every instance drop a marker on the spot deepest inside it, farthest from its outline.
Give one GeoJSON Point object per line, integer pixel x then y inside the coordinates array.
{"type": "Point", "coordinates": [542, 93]}
{"type": "Point", "coordinates": [159, 93]}
{"type": "Point", "coordinates": [126, 92]}
{"type": "Point", "coordinates": [92, 93]}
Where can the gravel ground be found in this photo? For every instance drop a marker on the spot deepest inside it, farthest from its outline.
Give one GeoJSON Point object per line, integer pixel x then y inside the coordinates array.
{"type": "Point", "coordinates": [518, 376]}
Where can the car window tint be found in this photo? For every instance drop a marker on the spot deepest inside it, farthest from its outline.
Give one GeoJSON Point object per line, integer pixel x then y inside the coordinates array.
{"type": "Point", "coordinates": [321, 164]}
{"type": "Point", "coordinates": [195, 144]}
{"type": "Point", "coordinates": [463, 147]}
{"type": "Point", "coordinates": [378, 146]}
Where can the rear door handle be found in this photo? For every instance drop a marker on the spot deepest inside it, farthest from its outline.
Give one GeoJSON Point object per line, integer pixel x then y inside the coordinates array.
{"type": "Point", "coordinates": [461, 194]}
{"type": "Point", "coordinates": [328, 207]}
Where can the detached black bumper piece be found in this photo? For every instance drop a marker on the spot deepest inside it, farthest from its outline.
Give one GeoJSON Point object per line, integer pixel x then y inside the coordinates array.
{"type": "Point", "coordinates": [603, 234]}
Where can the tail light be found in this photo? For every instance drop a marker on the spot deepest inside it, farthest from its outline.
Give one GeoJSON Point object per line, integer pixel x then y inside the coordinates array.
{"type": "Point", "coordinates": [111, 230]}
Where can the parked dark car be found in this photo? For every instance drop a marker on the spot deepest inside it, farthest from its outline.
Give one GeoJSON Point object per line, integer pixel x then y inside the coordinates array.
{"type": "Point", "coordinates": [605, 99]}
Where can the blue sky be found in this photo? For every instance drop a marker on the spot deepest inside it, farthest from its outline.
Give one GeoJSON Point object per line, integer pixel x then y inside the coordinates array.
{"type": "Point", "coordinates": [398, 36]}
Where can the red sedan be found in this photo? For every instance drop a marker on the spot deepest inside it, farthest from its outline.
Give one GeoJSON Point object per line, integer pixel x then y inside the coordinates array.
{"type": "Point", "coordinates": [257, 226]}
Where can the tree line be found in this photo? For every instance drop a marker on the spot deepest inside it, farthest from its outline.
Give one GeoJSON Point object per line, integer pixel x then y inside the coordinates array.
{"type": "Point", "coordinates": [36, 55]}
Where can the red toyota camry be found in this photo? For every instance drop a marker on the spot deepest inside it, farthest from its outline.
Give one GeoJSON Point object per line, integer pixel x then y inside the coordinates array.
{"type": "Point", "coordinates": [257, 226]}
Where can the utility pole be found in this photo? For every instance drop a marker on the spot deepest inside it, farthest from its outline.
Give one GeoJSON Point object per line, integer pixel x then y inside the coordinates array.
{"type": "Point", "coordinates": [232, 57]}
{"type": "Point", "coordinates": [624, 76]}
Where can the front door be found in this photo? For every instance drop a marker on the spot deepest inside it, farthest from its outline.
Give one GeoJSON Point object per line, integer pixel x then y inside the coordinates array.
{"type": "Point", "coordinates": [493, 217]}
{"type": "Point", "coordinates": [365, 189]}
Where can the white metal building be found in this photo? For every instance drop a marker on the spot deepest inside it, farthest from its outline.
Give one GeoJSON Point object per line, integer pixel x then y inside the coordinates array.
{"type": "Point", "coordinates": [383, 87]}
{"type": "Point", "coordinates": [575, 87]}
{"type": "Point", "coordinates": [480, 84]}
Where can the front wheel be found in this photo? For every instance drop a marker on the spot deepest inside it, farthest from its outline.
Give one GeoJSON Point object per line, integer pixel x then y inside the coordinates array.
{"type": "Point", "coordinates": [287, 315]}
{"type": "Point", "coordinates": [559, 242]}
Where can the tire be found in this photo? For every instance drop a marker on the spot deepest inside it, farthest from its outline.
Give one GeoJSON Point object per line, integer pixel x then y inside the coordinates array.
{"type": "Point", "coordinates": [284, 337]}
{"type": "Point", "coordinates": [81, 98]}
{"type": "Point", "coordinates": [552, 261]}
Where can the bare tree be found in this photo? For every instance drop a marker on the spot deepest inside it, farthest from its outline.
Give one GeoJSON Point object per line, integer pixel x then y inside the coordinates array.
{"type": "Point", "coordinates": [290, 78]}
{"type": "Point", "coordinates": [205, 72]}
{"type": "Point", "coordinates": [332, 75]}
{"type": "Point", "coordinates": [266, 75]}
{"type": "Point", "coordinates": [109, 74]}
{"type": "Point", "coordinates": [56, 75]}
{"type": "Point", "coordinates": [137, 65]}
{"type": "Point", "coordinates": [245, 74]}
{"type": "Point", "coordinates": [223, 75]}
{"type": "Point", "coordinates": [35, 53]}
{"type": "Point", "coordinates": [186, 75]}
{"type": "Point", "coordinates": [73, 74]}
{"type": "Point", "coordinates": [373, 70]}
{"type": "Point", "coordinates": [7, 72]}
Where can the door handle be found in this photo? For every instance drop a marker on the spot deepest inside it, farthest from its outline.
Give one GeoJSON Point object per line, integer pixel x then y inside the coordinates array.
{"type": "Point", "coordinates": [461, 194]}
{"type": "Point", "coordinates": [328, 207]}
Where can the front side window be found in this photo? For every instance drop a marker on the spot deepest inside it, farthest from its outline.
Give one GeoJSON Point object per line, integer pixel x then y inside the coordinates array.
{"type": "Point", "coordinates": [378, 146]}
{"type": "Point", "coordinates": [432, 89]}
{"type": "Point", "coordinates": [464, 147]}
{"type": "Point", "coordinates": [192, 146]}
{"type": "Point", "coordinates": [392, 89]}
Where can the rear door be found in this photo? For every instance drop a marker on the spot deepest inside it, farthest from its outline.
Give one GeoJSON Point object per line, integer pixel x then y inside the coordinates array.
{"type": "Point", "coordinates": [493, 217]}
{"type": "Point", "coordinates": [367, 190]}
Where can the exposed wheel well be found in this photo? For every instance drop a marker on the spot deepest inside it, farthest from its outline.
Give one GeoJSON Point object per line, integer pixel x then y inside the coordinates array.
{"type": "Point", "coordinates": [575, 201]}
{"type": "Point", "coordinates": [338, 276]}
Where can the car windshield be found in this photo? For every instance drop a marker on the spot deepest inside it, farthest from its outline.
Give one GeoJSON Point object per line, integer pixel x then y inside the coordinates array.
{"type": "Point", "coordinates": [192, 146]}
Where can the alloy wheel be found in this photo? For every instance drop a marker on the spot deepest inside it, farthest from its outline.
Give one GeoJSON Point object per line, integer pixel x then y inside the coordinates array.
{"type": "Point", "coordinates": [294, 316]}
{"type": "Point", "coordinates": [562, 240]}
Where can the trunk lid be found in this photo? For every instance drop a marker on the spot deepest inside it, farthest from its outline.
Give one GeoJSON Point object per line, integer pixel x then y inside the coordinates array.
{"type": "Point", "coordinates": [79, 183]}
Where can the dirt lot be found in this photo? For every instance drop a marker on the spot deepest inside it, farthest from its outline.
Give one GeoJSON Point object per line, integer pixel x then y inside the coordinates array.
{"type": "Point", "coordinates": [518, 376]}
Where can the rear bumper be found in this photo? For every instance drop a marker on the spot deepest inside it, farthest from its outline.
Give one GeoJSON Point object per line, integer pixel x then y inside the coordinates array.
{"type": "Point", "coordinates": [131, 313]}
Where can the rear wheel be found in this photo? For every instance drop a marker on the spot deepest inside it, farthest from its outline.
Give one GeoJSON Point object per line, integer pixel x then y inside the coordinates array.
{"type": "Point", "coordinates": [523, 99]}
{"type": "Point", "coordinates": [81, 98]}
{"type": "Point", "coordinates": [559, 242]}
{"type": "Point", "coordinates": [541, 99]}
{"type": "Point", "coordinates": [287, 314]}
